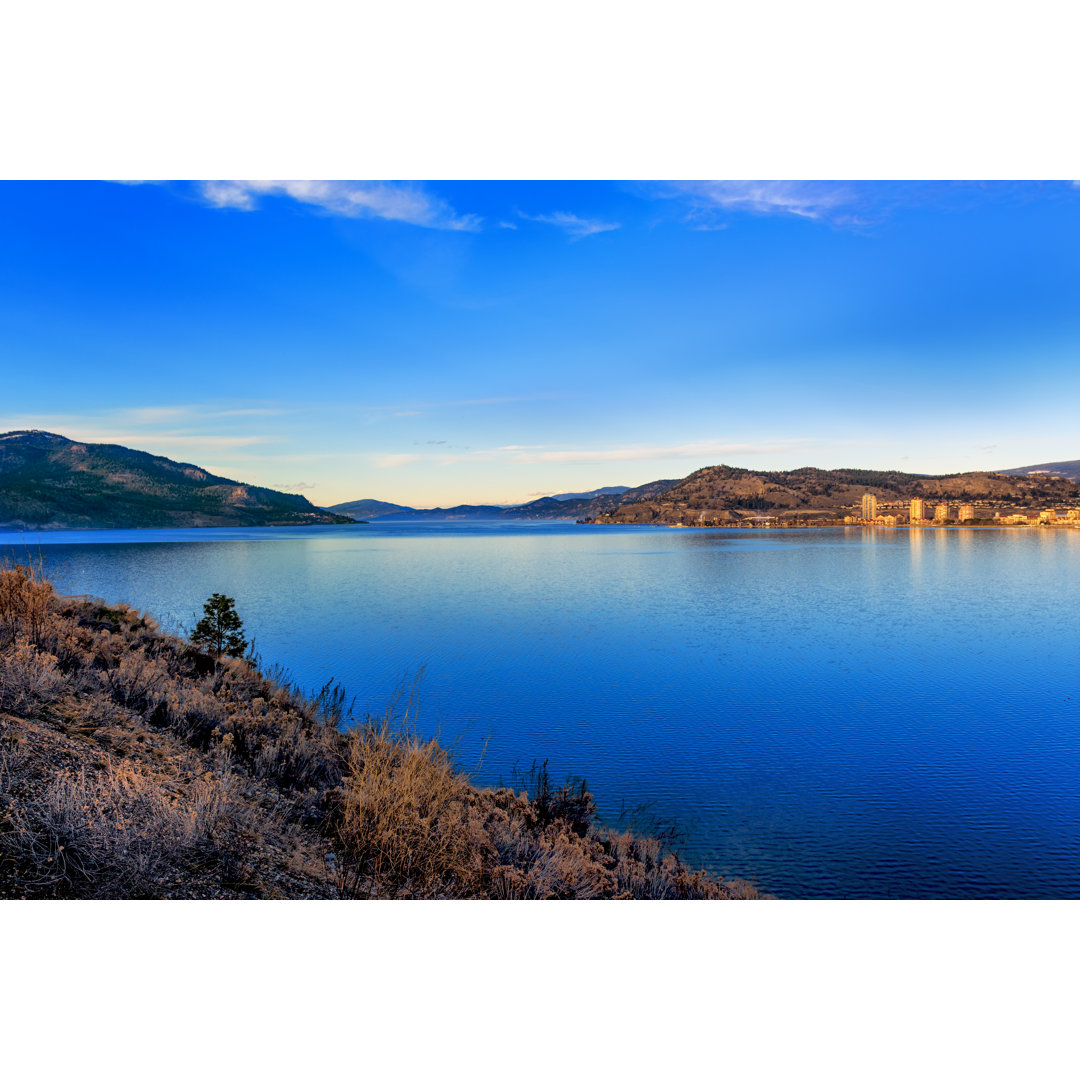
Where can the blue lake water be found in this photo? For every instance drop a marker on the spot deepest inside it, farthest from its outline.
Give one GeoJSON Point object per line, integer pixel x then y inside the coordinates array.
{"type": "Point", "coordinates": [832, 713]}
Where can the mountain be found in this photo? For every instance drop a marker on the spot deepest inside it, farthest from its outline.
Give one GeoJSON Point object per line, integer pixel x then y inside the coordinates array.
{"type": "Point", "coordinates": [552, 508]}
{"type": "Point", "coordinates": [721, 493]}
{"type": "Point", "coordinates": [50, 482]}
{"type": "Point", "coordinates": [465, 512]}
{"type": "Point", "coordinates": [1069, 469]}
{"type": "Point", "coordinates": [366, 508]}
{"type": "Point", "coordinates": [568, 507]}
{"type": "Point", "coordinates": [617, 490]}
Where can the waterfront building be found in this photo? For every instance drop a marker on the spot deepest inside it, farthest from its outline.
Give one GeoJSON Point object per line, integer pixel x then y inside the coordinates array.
{"type": "Point", "coordinates": [1048, 515]}
{"type": "Point", "coordinates": [941, 513]}
{"type": "Point", "coordinates": [918, 510]}
{"type": "Point", "coordinates": [869, 507]}
{"type": "Point", "coordinates": [967, 512]}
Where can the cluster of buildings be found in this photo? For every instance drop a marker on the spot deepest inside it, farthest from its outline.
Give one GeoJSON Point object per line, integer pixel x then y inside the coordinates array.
{"type": "Point", "coordinates": [943, 512]}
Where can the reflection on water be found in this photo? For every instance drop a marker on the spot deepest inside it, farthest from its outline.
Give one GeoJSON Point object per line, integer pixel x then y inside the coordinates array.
{"type": "Point", "coordinates": [845, 712]}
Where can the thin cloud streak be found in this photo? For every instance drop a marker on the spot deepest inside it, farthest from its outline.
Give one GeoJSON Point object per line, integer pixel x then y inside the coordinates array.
{"type": "Point", "coordinates": [395, 461]}
{"type": "Point", "coordinates": [803, 198]}
{"type": "Point", "coordinates": [154, 429]}
{"type": "Point", "coordinates": [700, 450]}
{"type": "Point", "coordinates": [577, 228]}
{"type": "Point", "coordinates": [406, 203]}
{"type": "Point", "coordinates": [418, 408]}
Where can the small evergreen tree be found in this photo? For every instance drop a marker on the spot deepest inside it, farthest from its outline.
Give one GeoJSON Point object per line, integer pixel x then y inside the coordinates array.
{"type": "Point", "coordinates": [219, 630]}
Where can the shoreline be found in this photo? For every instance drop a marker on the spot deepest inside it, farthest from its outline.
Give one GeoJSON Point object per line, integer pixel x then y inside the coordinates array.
{"type": "Point", "coordinates": [134, 765]}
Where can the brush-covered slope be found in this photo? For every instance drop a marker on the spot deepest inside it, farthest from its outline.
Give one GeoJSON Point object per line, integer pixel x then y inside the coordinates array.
{"type": "Point", "coordinates": [50, 482]}
{"type": "Point", "coordinates": [721, 492]}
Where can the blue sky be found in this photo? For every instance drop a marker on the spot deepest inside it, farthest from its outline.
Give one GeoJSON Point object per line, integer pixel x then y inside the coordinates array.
{"type": "Point", "coordinates": [435, 343]}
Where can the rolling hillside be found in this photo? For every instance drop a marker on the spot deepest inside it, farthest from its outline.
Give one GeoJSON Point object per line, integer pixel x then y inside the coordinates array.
{"type": "Point", "coordinates": [1069, 469]}
{"type": "Point", "coordinates": [51, 482]}
{"type": "Point", "coordinates": [721, 493]}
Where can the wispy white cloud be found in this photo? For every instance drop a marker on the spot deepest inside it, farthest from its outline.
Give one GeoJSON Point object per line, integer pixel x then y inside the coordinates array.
{"type": "Point", "coordinates": [300, 485]}
{"type": "Point", "coordinates": [395, 461]}
{"type": "Point", "coordinates": [575, 227]}
{"type": "Point", "coordinates": [189, 442]}
{"type": "Point", "coordinates": [708, 451]}
{"type": "Point", "coordinates": [408, 203]}
{"type": "Point", "coordinates": [406, 409]}
{"type": "Point", "coordinates": [187, 429]}
{"type": "Point", "coordinates": [804, 198]}
{"type": "Point", "coordinates": [227, 195]}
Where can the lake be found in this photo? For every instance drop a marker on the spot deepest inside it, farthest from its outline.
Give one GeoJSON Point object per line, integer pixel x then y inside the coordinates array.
{"type": "Point", "coordinates": [831, 712]}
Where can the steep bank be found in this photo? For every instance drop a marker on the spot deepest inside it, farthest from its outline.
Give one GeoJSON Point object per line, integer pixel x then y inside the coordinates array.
{"type": "Point", "coordinates": [133, 765]}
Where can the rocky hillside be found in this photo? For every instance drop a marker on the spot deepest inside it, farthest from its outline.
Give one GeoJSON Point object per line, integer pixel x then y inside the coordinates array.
{"type": "Point", "coordinates": [50, 482]}
{"type": "Point", "coordinates": [723, 493]}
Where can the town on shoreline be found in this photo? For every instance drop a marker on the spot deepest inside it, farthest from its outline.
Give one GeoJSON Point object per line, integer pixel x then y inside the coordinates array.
{"type": "Point", "coordinates": [916, 513]}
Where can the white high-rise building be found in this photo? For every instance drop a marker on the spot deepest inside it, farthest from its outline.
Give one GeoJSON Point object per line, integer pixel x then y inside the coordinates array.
{"type": "Point", "coordinates": [869, 507]}
{"type": "Point", "coordinates": [918, 509]}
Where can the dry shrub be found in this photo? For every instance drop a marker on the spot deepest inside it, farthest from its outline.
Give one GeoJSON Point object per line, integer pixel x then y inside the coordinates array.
{"type": "Point", "coordinates": [26, 601]}
{"type": "Point", "coordinates": [403, 821]}
{"type": "Point", "coordinates": [137, 682]}
{"type": "Point", "coordinates": [29, 678]}
{"type": "Point", "coordinates": [109, 834]}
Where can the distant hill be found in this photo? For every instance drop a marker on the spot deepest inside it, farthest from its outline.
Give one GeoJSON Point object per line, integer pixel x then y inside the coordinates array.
{"type": "Point", "coordinates": [465, 512]}
{"type": "Point", "coordinates": [1069, 469]}
{"type": "Point", "coordinates": [617, 490]}
{"type": "Point", "coordinates": [556, 509]}
{"type": "Point", "coordinates": [50, 482]}
{"type": "Point", "coordinates": [723, 493]}
{"type": "Point", "coordinates": [366, 508]}
{"type": "Point", "coordinates": [567, 507]}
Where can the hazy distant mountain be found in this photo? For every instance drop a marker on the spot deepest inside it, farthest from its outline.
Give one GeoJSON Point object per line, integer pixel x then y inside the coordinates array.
{"type": "Point", "coordinates": [464, 512]}
{"type": "Point", "coordinates": [567, 507]}
{"type": "Point", "coordinates": [1068, 469]}
{"type": "Point", "coordinates": [50, 482]}
{"type": "Point", "coordinates": [556, 509]}
{"type": "Point", "coordinates": [617, 490]}
{"type": "Point", "coordinates": [366, 508]}
{"type": "Point", "coordinates": [722, 493]}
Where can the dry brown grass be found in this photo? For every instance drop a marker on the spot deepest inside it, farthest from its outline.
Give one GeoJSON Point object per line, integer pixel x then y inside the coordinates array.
{"type": "Point", "coordinates": [26, 601]}
{"type": "Point", "coordinates": [403, 822]}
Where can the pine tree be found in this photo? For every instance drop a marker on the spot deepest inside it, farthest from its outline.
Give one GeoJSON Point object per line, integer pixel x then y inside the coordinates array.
{"type": "Point", "coordinates": [219, 630]}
